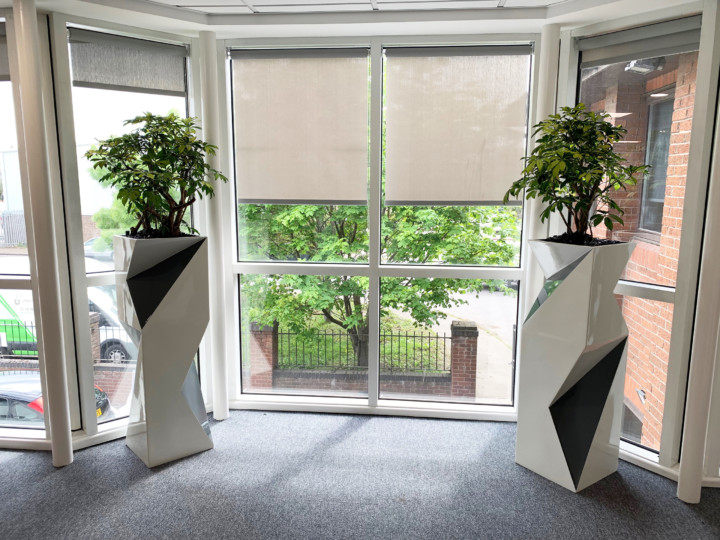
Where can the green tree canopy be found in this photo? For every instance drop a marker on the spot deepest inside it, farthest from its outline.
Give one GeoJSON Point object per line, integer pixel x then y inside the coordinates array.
{"type": "Point", "coordinates": [487, 236]}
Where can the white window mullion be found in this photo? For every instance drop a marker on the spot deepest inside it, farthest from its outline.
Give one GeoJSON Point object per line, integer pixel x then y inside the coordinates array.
{"type": "Point", "coordinates": [374, 209]}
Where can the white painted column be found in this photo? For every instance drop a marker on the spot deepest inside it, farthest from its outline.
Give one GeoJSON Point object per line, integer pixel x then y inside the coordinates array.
{"type": "Point", "coordinates": [704, 353]}
{"type": "Point", "coordinates": [38, 168]}
{"type": "Point", "coordinates": [211, 133]}
{"type": "Point", "coordinates": [546, 76]}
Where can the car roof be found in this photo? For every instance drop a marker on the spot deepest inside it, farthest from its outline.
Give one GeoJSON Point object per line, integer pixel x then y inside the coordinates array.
{"type": "Point", "coordinates": [20, 386]}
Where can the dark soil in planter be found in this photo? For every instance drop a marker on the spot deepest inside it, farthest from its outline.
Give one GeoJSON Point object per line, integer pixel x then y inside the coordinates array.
{"type": "Point", "coordinates": [581, 240]}
{"type": "Point", "coordinates": [145, 234]}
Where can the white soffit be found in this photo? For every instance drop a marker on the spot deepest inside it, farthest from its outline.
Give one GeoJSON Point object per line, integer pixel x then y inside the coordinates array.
{"type": "Point", "coordinates": [346, 18]}
{"type": "Point", "coordinates": [332, 6]}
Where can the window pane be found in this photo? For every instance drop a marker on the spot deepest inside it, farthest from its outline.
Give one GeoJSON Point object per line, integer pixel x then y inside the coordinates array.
{"type": "Point", "coordinates": [649, 323]}
{"type": "Point", "coordinates": [470, 235]}
{"type": "Point", "coordinates": [328, 233]}
{"type": "Point", "coordinates": [102, 215]}
{"type": "Point", "coordinates": [13, 237]}
{"type": "Point", "coordinates": [448, 340]}
{"type": "Point", "coordinates": [653, 99]}
{"type": "Point", "coordinates": [456, 121]}
{"type": "Point", "coordinates": [19, 370]}
{"type": "Point", "coordinates": [301, 126]}
{"type": "Point", "coordinates": [455, 124]}
{"type": "Point", "coordinates": [114, 355]}
{"type": "Point", "coordinates": [304, 334]}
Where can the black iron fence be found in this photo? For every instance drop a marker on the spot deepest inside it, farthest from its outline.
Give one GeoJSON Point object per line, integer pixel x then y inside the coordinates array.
{"type": "Point", "coordinates": [399, 351]}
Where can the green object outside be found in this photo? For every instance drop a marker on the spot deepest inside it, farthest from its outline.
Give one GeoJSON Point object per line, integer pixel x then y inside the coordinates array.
{"type": "Point", "coordinates": [18, 340]}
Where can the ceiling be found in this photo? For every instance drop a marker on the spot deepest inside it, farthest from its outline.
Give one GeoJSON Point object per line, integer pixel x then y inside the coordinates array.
{"type": "Point", "coordinates": [347, 18]}
{"type": "Point", "coordinates": [240, 7]}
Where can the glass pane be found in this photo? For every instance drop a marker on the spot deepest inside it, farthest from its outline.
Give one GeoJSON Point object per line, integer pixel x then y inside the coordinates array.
{"type": "Point", "coordinates": [301, 125]}
{"type": "Point", "coordinates": [13, 238]}
{"type": "Point", "coordinates": [329, 233]}
{"type": "Point", "coordinates": [114, 355]}
{"type": "Point", "coordinates": [448, 340]}
{"type": "Point", "coordinates": [649, 323]}
{"type": "Point", "coordinates": [304, 334]}
{"type": "Point", "coordinates": [21, 400]}
{"type": "Point", "coordinates": [102, 215]}
{"type": "Point", "coordinates": [456, 122]}
{"type": "Point", "coordinates": [653, 99]}
{"type": "Point", "coordinates": [467, 235]}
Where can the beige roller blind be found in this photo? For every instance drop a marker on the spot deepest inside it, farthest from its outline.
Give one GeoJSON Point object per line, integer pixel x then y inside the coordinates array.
{"type": "Point", "coordinates": [456, 123]}
{"type": "Point", "coordinates": [301, 126]}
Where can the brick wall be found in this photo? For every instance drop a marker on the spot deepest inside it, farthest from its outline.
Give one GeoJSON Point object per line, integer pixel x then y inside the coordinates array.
{"type": "Point", "coordinates": [459, 383]}
{"type": "Point", "coordinates": [463, 363]}
{"type": "Point", "coordinates": [90, 230]}
{"type": "Point", "coordinates": [356, 381]}
{"type": "Point", "coordinates": [116, 380]}
{"type": "Point", "coordinates": [95, 336]}
{"type": "Point", "coordinates": [263, 355]}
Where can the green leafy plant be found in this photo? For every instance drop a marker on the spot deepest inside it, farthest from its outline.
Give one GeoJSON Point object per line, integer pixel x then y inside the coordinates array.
{"type": "Point", "coordinates": [574, 169]}
{"type": "Point", "coordinates": [159, 171]}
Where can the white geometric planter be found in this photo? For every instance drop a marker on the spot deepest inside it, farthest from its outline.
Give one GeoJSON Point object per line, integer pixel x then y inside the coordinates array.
{"type": "Point", "coordinates": [162, 290]}
{"type": "Point", "coordinates": [571, 378]}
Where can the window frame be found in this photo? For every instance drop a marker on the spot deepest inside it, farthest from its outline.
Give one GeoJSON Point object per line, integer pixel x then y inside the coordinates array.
{"type": "Point", "coordinates": [374, 269]}
{"type": "Point", "coordinates": [80, 362]}
{"type": "Point", "coordinates": [683, 296]}
{"type": "Point", "coordinates": [651, 234]}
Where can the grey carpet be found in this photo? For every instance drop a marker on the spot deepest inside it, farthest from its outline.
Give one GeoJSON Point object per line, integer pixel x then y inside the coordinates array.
{"type": "Point", "coordinates": [296, 475]}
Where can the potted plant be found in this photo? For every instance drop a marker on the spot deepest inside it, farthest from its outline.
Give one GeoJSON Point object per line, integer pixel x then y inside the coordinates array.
{"type": "Point", "coordinates": [159, 171]}
{"type": "Point", "coordinates": [572, 368]}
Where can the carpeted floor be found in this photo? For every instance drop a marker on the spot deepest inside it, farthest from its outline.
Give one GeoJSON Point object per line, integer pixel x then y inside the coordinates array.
{"type": "Point", "coordinates": [295, 475]}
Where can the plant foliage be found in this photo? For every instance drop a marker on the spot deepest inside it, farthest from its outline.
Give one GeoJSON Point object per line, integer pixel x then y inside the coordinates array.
{"type": "Point", "coordinates": [159, 171]}
{"type": "Point", "coordinates": [410, 234]}
{"type": "Point", "coordinates": [574, 170]}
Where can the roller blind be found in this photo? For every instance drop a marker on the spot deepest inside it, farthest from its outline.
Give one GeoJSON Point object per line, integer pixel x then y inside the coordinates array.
{"type": "Point", "coordinates": [301, 126]}
{"type": "Point", "coordinates": [120, 63]}
{"type": "Point", "coordinates": [4, 64]}
{"type": "Point", "coordinates": [669, 37]}
{"type": "Point", "coordinates": [456, 123]}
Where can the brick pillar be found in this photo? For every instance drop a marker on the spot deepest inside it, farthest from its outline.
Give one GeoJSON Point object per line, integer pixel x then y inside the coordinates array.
{"type": "Point", "coordinates": [263, 354]}
{"type": "Point", "coordinates": [95, 336]}
{"type": "Point", "coordinates": [463, 358]}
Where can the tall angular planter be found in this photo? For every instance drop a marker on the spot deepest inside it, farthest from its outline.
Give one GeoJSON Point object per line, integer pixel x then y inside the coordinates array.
{"type": "Point", "coordinates": [570, 399]}
{"type": "Point", "coordinates": [162, 290]}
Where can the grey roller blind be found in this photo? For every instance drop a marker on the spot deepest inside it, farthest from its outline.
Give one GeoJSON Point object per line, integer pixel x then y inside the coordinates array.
{"type": "Point", "coordinates": [301, 126]}
{"type": "Point", "coordinates": [4, 63]}
{"type": "Point", "coordinates": [670, 37]}
{"type": "Point", "coordinates": [120, 63]}
{"type": "Point", "coordinates": [456, 124]}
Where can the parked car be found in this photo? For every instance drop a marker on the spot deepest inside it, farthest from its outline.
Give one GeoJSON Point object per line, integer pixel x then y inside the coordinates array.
{"type": "Point", "coordinates": [21, 400]}
{"type": "Point", "coordinates": [115, 344]}
{"type": "Point", "coordinates": [17, 338]}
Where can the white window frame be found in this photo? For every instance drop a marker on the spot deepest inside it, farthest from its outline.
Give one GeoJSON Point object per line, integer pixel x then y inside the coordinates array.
{"type": "Point", "coordinates": [91, 432]}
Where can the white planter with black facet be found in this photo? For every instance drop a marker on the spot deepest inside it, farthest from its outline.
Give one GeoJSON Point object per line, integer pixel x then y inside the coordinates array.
{"type": "Point", "coordinates": [162, 290]}
{"type": "Point", "coordinates": [571, 378]}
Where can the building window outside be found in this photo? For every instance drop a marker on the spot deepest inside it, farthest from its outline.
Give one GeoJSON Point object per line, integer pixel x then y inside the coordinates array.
{"type": "Point", "coordinates": [657, 152]}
